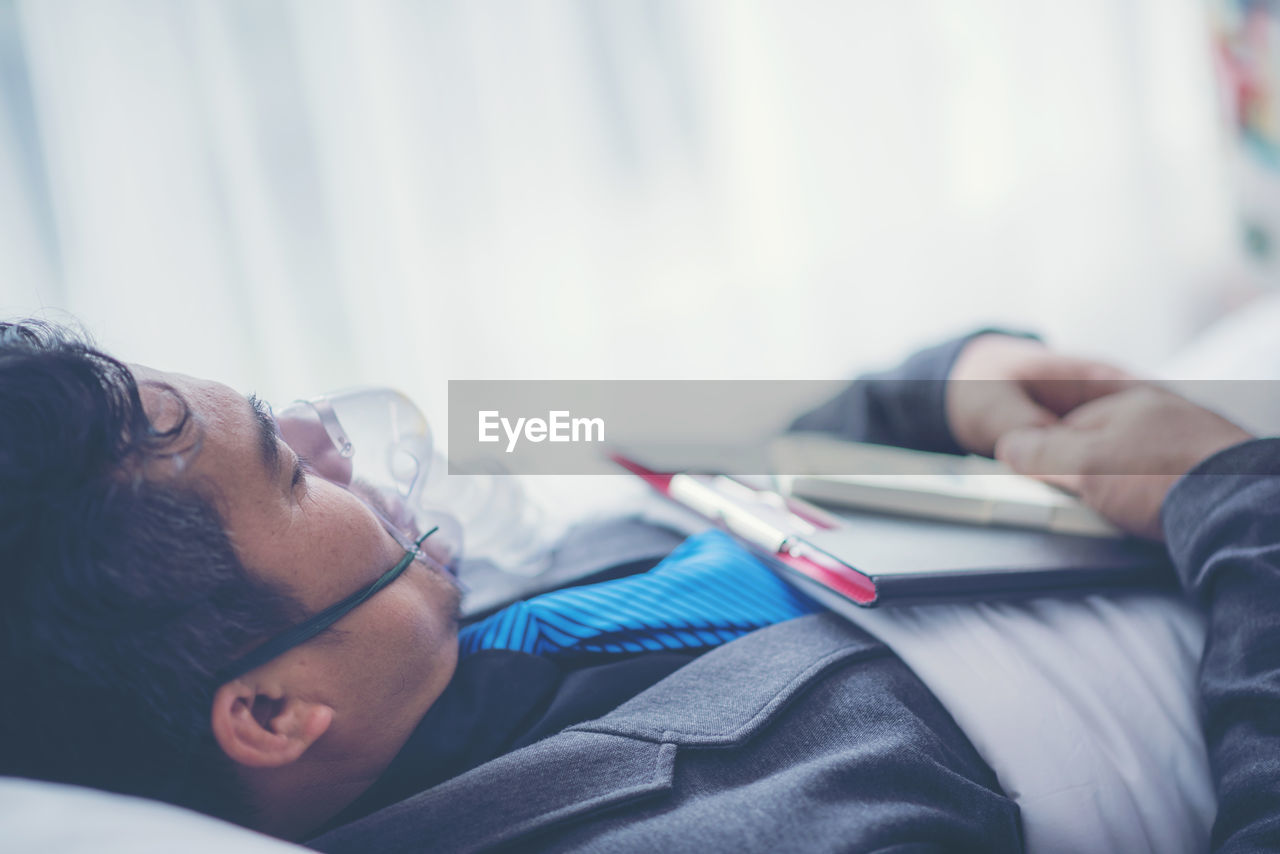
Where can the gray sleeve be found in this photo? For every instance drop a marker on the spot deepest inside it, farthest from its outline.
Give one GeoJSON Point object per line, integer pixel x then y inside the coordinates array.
{"type": "Point", "coordinates": [1222, 523]}
{"type": "Point", "coordinates": [904, 406]}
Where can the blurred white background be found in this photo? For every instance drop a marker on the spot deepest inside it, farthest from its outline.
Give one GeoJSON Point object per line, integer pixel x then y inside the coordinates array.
{"type": "Point", "coordinates": [293, 196]}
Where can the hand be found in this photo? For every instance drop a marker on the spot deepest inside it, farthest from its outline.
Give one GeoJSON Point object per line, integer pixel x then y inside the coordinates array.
{"type": "Point", "coordinates": [1001, 383]}
{"type": "Point", "coordinates": [1122, 453]}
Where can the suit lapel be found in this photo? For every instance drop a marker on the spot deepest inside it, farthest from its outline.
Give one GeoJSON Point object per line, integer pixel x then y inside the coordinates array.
{"type": "Point", "coordinates": [557, 779]}
{"type": "Point", "coordinates": [726, 695]}
{"type": "Point", "coordinates": [719, 699]}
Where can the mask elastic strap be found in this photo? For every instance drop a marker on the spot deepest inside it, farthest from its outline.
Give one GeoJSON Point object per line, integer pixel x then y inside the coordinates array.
{"type": "Point", "coordinates": [329, 420]}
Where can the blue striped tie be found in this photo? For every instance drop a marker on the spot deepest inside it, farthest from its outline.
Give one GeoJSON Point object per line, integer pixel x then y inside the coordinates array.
{"type": "Point", "coordinates": [707, 592]}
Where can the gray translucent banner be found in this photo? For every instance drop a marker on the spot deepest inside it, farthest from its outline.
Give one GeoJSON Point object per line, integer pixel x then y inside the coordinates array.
{"type": "Point", "coordinates": [742, 427]}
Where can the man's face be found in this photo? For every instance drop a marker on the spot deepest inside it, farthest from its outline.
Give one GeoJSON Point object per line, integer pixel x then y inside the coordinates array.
{"type": "Point", "coordinates": [386, 662]}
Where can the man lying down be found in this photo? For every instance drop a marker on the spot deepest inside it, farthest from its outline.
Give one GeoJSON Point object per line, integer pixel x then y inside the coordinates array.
{"type": "Point", "coordinates": [195, 613]}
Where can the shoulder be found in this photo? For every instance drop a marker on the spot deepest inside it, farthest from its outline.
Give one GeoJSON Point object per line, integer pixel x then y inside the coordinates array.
{"type": "Point", "coordinates": [811, 717]}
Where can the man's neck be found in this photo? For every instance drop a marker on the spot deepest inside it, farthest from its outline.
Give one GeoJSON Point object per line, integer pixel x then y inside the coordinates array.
{"type": "Point", "coordinates": [296, 800]}
{"type": "Point", "coordinates": [298, 812]}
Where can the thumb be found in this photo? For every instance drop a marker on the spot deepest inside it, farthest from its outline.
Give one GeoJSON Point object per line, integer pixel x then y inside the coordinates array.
{"type": "Point", "coordinates": [1049, 454]}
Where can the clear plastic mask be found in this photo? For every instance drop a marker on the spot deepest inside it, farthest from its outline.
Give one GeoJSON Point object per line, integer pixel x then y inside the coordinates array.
{"type": "Point", "coordinates": [376, 443]}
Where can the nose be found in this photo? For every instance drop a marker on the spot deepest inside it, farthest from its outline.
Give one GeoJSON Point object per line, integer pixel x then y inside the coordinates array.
{"type": "Point", "coordinates": [301, 429]}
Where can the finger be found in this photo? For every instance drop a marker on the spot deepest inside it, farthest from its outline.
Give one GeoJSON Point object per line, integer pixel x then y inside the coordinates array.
{"type": "Point", "coordinates": [1061, 385]}
{"type": "Point", "coordinates": [1008, 413]}
{"type": "Point", "coordinates": [1051, 454]}
{"type": "Point", "coordinates": [1058, 367]}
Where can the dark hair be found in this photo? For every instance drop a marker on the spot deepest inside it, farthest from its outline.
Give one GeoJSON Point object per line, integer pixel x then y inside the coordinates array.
{"type": "Point", "coordinates": [120, 596]}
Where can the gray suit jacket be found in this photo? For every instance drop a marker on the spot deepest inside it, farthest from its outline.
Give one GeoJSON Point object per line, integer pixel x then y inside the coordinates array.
{"type": "Point", "coordinates": [806, 736]}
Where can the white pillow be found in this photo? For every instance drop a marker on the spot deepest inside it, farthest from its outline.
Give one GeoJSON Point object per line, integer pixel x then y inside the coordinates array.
{"type": "Point", "coordinates": [1244, 345]}
{"type": "Point", "coordinates": [51, 818]}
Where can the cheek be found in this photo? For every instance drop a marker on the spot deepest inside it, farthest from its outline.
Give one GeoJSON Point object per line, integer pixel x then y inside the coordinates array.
{"type": "Point", "coordinates": [410, 636]}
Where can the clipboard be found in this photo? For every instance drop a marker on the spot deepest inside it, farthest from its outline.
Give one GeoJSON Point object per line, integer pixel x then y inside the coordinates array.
{"type": "Point", "coordinates": [866, 559]}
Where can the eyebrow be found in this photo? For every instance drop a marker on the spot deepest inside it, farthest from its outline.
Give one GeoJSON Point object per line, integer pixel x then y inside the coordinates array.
{"type": "Point", "coordinates": [268, 446]}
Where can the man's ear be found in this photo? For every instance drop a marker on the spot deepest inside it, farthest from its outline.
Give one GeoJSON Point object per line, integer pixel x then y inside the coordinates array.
{"type": "Point", "coordinates": [265, 728]}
